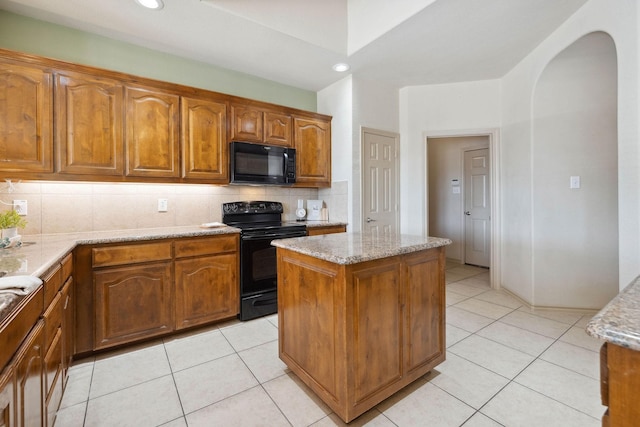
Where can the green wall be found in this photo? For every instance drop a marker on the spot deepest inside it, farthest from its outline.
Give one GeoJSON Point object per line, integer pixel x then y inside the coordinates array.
{"type": "Point", "coordinates": [55, 41]}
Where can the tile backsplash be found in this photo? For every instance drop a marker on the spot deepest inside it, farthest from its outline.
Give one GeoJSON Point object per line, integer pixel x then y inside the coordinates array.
{"type": "Point", "coordinates": [66, 207]}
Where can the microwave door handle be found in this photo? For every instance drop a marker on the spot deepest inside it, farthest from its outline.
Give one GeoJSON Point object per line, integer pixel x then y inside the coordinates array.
{"type": "Point", "coordinates": [284, 165]}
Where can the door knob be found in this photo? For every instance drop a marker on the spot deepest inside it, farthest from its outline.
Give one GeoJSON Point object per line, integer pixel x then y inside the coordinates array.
{"type": "Point", "coordinates": [370, 220]}
{"type": "Point", "coordinates": [467, 213]}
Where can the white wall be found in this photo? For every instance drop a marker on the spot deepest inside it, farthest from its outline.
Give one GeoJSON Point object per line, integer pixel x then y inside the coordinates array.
{"type": "Point", "coordinates": [355, 103]}
{"type": "Point", "coordinates": [336, 101]}
{"type": "Point", "coordinates": [431, 111]}
{"type": "Point", "coordinates": [620, 20]}
{"type": "Point", "coordinates": [508, 104]}
{"type": "Point", "coordinates": [575, 134]}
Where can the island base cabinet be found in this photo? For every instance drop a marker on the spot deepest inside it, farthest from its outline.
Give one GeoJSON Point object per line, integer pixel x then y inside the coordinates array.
{"type": "Point", "coordinates": [356, 334]}
{"type": "Point", "coordinates": [620, 385]}
{"type": "Point", "coordinates": [132, 303]}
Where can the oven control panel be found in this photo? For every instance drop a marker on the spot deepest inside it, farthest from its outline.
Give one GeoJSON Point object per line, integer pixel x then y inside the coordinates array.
{"type": "Point", "coordinates": [259, 207]}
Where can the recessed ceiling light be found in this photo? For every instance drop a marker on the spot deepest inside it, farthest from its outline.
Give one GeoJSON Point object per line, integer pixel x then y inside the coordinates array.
{"type": "Point", "coordinates": [151, 4]}
{"type": "Point", "coordinates": [341, 67]}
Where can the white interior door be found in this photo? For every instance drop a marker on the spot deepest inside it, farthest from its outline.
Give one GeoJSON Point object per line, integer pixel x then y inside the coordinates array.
{"type": "Point", "coordinates": [477, 208]}
{"type": "Point", "coordinates": [379, 182]}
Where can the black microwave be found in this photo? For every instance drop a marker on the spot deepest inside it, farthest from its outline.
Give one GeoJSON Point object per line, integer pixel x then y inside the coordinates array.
{"type": "Point", "coordinates": [261, 164]}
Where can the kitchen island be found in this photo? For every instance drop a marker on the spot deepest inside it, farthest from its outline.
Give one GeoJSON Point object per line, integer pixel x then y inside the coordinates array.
{"type": "Point", "coordinates": [360, 317]}
{"type": "Point", "coordinates": [618, 324]}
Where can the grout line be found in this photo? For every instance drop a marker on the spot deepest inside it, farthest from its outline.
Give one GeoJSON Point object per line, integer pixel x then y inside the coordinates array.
{"type": "Point", "coordinates": [513, 380]}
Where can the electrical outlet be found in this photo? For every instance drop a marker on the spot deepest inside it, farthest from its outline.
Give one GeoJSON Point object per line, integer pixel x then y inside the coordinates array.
{"type": "Point", "coordinates": [20, 206]}
{"type": "Point", "coordinates": [163, 205]}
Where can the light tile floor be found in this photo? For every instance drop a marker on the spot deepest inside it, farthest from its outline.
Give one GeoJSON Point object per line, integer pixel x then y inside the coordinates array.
{"type": "Point", "coordinates": [506, 366]}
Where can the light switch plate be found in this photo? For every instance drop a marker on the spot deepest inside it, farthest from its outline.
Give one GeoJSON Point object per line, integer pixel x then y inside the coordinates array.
{"type": "Point", "coordinates": [574, 182]}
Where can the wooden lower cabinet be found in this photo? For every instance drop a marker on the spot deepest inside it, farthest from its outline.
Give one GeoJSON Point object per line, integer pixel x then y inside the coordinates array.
{"type": "Point", "coordinates": [620, 385]}
{"type": "Point", "coordinates": [356, 334]}
{"type": "Point", "coordinates": [132, 303]}
{"type": "Point", "coordinates": [53, 356]}
{"type": "Point", "coordinates": [7, 397]}
{"type": "Point", "coordinates": [140, 290]}
{"type": "Point", "coordinates": [68, 327]}
{"type": "Point", "coordinates": [206, 289]}
{"type": "Point", "coordinates": [28, 365]}
{"type": "Point", "coordinates": [329, 229]}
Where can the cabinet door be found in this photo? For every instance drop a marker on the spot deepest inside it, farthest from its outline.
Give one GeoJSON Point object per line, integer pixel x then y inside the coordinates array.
{"type": "Point", "coordinates": [53, 384]}
{"type": "Point", "coordinates": [377, 332]}
{"type": "Point", "coordinates": [26, 143]}
{"type": "Point", "coordinates": [7, 397]}
{"type": "Point", "coordinates": [132, 303]}
{"type": "Point", "coordinates": [68, 326]}
{"type": "Point", "coordinates": [206, 289]}
{"type": "Point", "coordinates": [205, 152]}
{"type": "Point", "coordinates": [246, 123]}
{"type": "Point", "coordinates": [152, 133]}
{"type": "Point", "coordinates": [88, 125]}
{"type": "Point", "coordinates": [29, 385]}
{"type": "Point", "coordinates": [312, 141]}
{"type": "Point", "coordinates": [277, 129]}
{"type": "Point", "coordinates": [424, 308]}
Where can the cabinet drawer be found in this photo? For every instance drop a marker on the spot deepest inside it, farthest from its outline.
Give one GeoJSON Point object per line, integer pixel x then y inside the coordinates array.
{"type": "Point", "coordinates": [52, 319]}
{"type": "Point", "coordinates": [15, 328]}
{"type": "Point", "coordinates": [52, 284]}
{"type": "Point", "coordinates": [130, 254]}
{"type": "Point", "coordinates": [67, 267]}
{"type": "Point", "coordinates": [206, 246]}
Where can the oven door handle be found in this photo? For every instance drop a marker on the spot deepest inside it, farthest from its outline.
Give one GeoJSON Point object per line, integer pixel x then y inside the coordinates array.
{"type": "Point", "coordinates": [272, 236]}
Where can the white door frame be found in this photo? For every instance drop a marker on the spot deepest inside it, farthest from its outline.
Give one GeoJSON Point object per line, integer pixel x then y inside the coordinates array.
{"type": "Point", "coordinates": [496, 212]}
{"type": "Point", "coordinates": [364, 175]}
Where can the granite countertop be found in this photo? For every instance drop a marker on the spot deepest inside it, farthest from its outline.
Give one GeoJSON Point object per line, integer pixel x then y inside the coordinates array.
{"type": "Point", "coordinates": [352, 248]}
{"type": "Point", "coordinates": [40, 252]}
{"type": "Point", "coordinates": [619, 321]}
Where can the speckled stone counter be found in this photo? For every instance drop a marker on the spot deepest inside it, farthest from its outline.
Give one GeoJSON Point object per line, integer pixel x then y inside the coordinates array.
{"type": "Point", "coordinates": [619, 321]}
{"type": "Point", "coordinates": [353, 248]}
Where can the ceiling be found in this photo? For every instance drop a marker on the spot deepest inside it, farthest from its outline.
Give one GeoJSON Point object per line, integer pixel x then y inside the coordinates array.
{"type": "Point", "coordinates": [296, 42]}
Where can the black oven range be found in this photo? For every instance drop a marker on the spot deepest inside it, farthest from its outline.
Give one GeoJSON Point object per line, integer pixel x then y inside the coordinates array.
{"type": "Point", "coordinates": [260, 222]}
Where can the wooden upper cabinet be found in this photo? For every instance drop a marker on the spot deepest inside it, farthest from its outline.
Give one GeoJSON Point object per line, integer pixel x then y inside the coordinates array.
{"type": "Point", "coordinates": [88, 124]}
{"type": "Point", "coordinates": [277, 129]}
{"type": "Point", "coordinates": [254, 124]}
{"type": "Point", "coordinates": [205, 152]}
{"type": "Point", "coordinates": [246, 123]}
{"type": "Point", "coordinates": [152, 133]}
{"type": "Point", "coordinates": [312, 141]}
{"type": "Point", "coordinates": [26, 143]}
